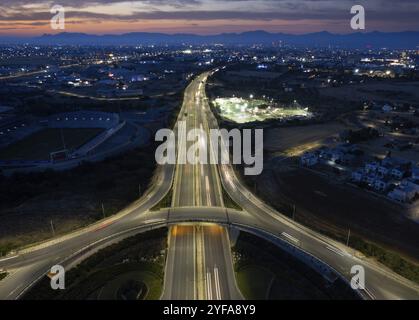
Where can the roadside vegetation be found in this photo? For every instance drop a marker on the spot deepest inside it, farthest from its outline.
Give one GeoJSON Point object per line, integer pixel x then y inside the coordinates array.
{"type": "Point", "coordinates": [230, 203]}
{"type": "Point", "coordinates": [130, 269]}
{"type": "Point", "coordinates": [388, 258]}
{"type": "Point", "coordinates": [166, 202]}
{"type": "Point", "coordinates": [265, 272]}
{"type": "Point", "coordinates": [3, 275]}
{"type": "Point", "coordinates": [71, 199]}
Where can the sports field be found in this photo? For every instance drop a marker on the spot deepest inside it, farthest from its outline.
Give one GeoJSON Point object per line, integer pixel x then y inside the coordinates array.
{"type": "Point", "coordinates": [241, 110]}
{"type": "Point", "coordinates": [39, 145]}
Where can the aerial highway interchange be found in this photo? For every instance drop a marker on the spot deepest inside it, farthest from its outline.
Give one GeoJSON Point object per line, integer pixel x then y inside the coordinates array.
{"type": "Point", "coordinates": [199, 263]}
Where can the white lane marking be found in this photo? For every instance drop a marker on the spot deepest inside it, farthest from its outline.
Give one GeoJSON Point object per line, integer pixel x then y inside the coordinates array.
{"type": "Point", "coordinates": [335, 250]}
{"type": "Point", "coordinates": [370, 294]}
{"type": "Point", "coordinates": [209, 286]}
{"type": "Point", "coordinates": [9, 258]}
{"type": "Point", "coordinates": [208, 191]}
{"type": "Point", "coordinates": [217, 284]}
{"type": "Point", "coordinates": [290, 237]}
{"type": "Point", "coordinates": [194, 268]}
{"type": "Point", "coordinates": [14, 290]}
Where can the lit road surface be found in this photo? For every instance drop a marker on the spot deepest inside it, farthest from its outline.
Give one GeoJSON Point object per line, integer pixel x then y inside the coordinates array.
{"type": "Point", "coordinates": [194, 184]}
{"type": "Point", "coordinates": [199, 265]}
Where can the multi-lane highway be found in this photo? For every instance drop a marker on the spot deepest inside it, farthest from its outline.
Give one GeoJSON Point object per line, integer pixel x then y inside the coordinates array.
{"type": "Point", "coordinates": [199, 255]}
{"type": "Point", "coordinates": [199, 264]}
{"type": "Point", "coordinates": [197, 198]}
{"type": "Point", "coordinates": [195, 184]}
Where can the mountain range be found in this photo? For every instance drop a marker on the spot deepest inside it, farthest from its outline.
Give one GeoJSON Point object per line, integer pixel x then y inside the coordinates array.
{"type": "Point", "coordinates": [402, 40]}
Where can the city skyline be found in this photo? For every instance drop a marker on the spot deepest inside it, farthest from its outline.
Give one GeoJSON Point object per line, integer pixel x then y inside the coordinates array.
{"type": "Point", "coordinates": [31, 18]}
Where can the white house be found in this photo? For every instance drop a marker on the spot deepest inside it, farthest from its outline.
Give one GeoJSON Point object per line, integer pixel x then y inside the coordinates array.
{"type": "Point", "coordinates": [337, 155]}
{"type": "Point", "coordinates": [398, 173]}
{"type": "Point", "coordinates": [371, 167]}
{"type": "Point", "coordinates": [381, 184]}
{"type": "Point", "coordinates": [411, 183]}
{"type": "Point", "coordinates": [387, 108]}
{"type": "Point", "coordinates": [383, 170]}
{"type": "Point", "coordinates": [415, 173]}
{"type": "Point", "coordinates": [309, 159]}
{"type": "Point", "coordinates": [357, 176]}
{"type": "Point", "coordinates": [370, 179]}
{"type": "Point", "coordinates": [402, 194]}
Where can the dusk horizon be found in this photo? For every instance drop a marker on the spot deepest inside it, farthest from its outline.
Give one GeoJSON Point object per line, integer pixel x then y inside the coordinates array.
{"type": "Point", "coordinates": [206, 34]}
{"type": "Point", "coordinates": [203, 17]}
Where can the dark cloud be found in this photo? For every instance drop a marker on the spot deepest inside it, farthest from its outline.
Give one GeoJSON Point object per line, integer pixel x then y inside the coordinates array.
{"type": "Point", "coordinates": [403, 11]}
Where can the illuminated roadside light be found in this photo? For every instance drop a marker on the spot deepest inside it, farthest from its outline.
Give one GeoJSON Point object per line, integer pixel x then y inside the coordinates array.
{"type": "Point", "coordinates": [251, 96]}
{"type": "Point", "coordinates": [388, 72]}
{"type": "Point", "coordinates": [356, 70]}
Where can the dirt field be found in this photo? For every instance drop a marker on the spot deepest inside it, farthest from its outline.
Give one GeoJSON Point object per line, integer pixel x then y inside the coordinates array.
{"type": "Point", "coordinates": [39, 145]}
{"type": "Point", "coordinates": [395, 92]}
{"type": "Point", "coordinates": [336, 208]}
{"type": "Point", "coordinates": [292, 140]}
{"type": "Point", "coordinates": [71, 199]}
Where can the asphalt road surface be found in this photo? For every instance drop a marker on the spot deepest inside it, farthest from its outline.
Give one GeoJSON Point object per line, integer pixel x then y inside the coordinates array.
{"type": "Point", "coordinates": [199, 265]}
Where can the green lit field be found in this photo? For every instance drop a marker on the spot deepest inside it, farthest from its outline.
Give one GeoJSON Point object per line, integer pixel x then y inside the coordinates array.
{"type": "Point", "coordinates": [242, 110]}
{"type": "Point", "coordinates": [39, 145]}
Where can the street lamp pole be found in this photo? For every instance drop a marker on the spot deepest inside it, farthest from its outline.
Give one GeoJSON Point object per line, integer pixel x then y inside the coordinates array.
{"type": "Point", "coordinates": [349, 235]}
{"type": "Point", "coordinates": [52, 228]}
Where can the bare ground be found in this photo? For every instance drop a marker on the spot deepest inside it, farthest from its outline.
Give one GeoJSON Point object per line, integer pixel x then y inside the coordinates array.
{"type": "Point", "coordinates": [336, 208]}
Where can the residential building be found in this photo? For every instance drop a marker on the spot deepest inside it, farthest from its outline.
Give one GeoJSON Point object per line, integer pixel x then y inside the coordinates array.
{"type": "Point", "coordinates": [381, 184]}
{"type": "Point", "coordinates": [309, 159]}
{"type": "Point", "coordinates": [402, 194]}
{"type": "Point", "coordinates": [371, 167]}
{"type": "Point", "coordinates": [358, 175]}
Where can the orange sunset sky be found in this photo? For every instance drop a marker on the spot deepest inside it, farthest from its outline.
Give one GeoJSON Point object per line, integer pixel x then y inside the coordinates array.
{"type": "Point", "coordinates": [25, 17]}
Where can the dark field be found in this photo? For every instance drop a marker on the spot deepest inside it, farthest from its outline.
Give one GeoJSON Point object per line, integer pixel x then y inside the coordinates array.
{"type": "Point", "coordinates": [265, 272]}
{"type": "Point", "coordinates": [72, 199]}
{"type": "Point", "coordinates": [102, 276]}
{"type": "Point", "coordinates": [39, 145]}
{"type": "Point", "coordinates": [336, 208]}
